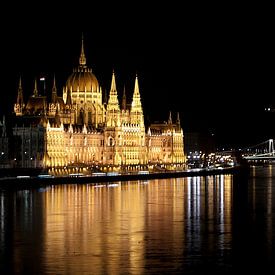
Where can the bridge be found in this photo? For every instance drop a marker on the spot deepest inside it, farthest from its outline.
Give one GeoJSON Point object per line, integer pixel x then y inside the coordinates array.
{"type": "Point", "coordinates": [261, 151]}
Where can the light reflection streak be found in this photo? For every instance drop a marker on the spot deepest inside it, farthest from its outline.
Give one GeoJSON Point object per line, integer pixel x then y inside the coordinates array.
{"type": "Point", "coordinates": [221, 185]}
{"type": "Point", "coordinates": [189, 180]}
{"type": "Point", "coordinates": [269, 209]}
{"type": "Point", "coordinates": [221, 213]}
{"type": "Point", "coordinates": [2, 215]}
{"type": "Point", "coordinates": [114, 230]}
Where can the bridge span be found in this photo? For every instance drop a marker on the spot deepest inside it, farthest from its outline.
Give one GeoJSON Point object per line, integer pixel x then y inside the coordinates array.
{"type": "Point", "coordinates": [262, 151]}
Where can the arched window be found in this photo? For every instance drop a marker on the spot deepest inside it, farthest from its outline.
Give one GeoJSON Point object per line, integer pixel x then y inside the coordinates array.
{"type": "Point", "coordinates": [111, 141]}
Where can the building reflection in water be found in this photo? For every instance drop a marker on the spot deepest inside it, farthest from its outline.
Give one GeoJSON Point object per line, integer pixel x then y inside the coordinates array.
{"type": "Point", "coordinates": [102, 227]}
{"type": "Point", "coordinates": [105, 229]}
{"type": "Point", "coordinates": [133, 227]}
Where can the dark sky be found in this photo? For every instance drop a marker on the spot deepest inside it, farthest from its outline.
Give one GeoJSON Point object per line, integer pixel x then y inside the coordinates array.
{"type": "Point", "coordinates": [214, 65]}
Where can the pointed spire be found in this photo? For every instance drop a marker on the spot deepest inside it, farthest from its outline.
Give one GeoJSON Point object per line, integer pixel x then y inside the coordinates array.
{"type": "Point", "coordinates": [54, 84]}
{"type": "Point", "coordinates": [20, 83]}
{"type": "Point", "coordinates": [178, 127]}
{"type": "Point", "coordinates": [113, 100]}
{"type": "Point", "coordinates": [170, 118]}
{"type": "Point", "coordinates": [178, 121]}
{"type": "Point", "coordinates": [113, 84]}
{"type": "Point", "coordinates": [82, 58]}
{"type": "Point", "coordinates": [136, 103]}
{"type": "Point", "coordinates": [178, 118]}
{"type": "Point", "coordinates": [35, 91]}
{"type": "Point", "coordinates": [136, 107]}
{"type": "Point", "coordinates": [136, 90]}
{"type": "Point", "coordinates": [54, 91]}
{"type": "Point", "coordinates": [124, 101]}
{"type": "Point", "coordinates": [113, 109]}
{"type": "Point", "coordinates": [20, 93]}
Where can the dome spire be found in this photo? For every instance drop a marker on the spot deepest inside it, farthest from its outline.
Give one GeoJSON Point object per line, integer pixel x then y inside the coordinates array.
{"type": "Point", "coordinates": [35, 91]}
{"type": "Point", "coordinates": [82, 58]}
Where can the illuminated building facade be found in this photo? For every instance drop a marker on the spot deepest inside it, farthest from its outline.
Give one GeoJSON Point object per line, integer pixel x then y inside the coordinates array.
{"type": "Point", "coordinates": [79, 127]}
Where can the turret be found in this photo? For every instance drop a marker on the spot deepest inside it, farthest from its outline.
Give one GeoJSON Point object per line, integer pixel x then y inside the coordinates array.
{"type": "Point", "coordinates": [19, 105]}
{"type": "Point", "coordinates": [136, 107]}
{"type": "Point", "coordinates": [113, 110]}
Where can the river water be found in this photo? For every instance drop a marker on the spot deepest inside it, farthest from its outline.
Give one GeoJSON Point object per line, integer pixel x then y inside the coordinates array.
{"type": "Point", "coordinates": [199, 225]}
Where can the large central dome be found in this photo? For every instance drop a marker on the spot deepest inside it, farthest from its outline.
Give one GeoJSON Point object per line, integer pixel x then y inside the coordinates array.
{"type": "Point", "coordinates": [82, 79]}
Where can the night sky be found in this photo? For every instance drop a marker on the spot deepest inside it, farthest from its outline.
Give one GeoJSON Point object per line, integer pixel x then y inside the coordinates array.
{"type": "Point", "coordinates": [213, 66]}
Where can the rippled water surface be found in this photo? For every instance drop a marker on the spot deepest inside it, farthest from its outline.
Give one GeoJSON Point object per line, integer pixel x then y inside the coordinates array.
{"type": "Point", "coordinates": [200, 225]}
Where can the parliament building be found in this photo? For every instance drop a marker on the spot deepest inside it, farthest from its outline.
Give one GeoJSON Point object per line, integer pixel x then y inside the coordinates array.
{"type": "Point", "coordinates": [81, 128]}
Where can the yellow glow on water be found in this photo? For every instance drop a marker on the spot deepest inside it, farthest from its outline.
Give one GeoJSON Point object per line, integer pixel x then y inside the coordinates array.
{"type": "Point", "coordinates": [104, 228]}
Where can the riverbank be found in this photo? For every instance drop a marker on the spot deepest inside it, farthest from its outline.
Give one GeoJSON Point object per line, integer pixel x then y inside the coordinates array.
{"type": "Point", "coordinates": [38, 181]}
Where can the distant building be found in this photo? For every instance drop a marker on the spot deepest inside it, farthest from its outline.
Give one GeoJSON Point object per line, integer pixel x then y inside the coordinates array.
{"type": "Point", "coordinates": [198, 146]}
{"type": "Point", "coordinates": [165, 142]}
{"type": "Point", "coordinates": [29, 143]}
{"type": "Point", "coordinates": [199, 142]}
{"type": "Point", "coordinates": [80, 128]}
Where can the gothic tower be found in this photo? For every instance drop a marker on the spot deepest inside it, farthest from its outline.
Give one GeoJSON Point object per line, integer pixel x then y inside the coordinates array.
{"type": "Point", "coordinates": [113, 110]}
